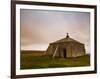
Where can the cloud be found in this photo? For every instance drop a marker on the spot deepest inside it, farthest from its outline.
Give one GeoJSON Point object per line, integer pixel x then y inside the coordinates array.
{"type": "Point", "coordinates": [43, 27]}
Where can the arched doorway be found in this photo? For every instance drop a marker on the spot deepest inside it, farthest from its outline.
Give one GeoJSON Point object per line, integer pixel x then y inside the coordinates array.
{"type": "Point", "coordinates": [64, 53]}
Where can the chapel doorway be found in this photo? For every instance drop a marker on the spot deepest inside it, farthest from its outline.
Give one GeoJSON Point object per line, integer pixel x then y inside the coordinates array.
{"type": "Point", "coordinates": [64, 53]}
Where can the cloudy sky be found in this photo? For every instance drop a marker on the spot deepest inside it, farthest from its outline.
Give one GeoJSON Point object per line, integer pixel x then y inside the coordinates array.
{"type": "Point", "coordinates": [41, 27]}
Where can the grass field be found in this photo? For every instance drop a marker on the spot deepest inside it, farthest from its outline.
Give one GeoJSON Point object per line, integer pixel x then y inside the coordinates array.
{"type": "Point", "coordinates": [35, 59]}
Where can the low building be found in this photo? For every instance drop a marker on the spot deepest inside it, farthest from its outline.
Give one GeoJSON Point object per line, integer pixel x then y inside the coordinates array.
{"type": "Point", "coordinates": [66, 47]}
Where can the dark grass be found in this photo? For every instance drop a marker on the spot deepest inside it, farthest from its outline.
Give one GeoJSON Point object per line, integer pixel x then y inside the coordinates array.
{"type": "Point", "coordinates": [36, 60]}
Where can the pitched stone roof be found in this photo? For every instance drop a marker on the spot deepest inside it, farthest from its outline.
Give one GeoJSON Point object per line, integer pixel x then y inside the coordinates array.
{"type": "Point", "coordinates": [67, 39]}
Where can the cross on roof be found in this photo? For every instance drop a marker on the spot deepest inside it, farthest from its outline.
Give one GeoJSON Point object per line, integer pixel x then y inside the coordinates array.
{"type": "Point", "coordinates": [67, 36]}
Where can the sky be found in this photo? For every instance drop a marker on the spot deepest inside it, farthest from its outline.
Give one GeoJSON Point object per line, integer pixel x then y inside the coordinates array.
{"type": "Point", "coordinates": [41, 27]}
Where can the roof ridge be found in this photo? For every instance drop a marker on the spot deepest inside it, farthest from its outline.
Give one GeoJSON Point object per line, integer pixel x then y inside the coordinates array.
{"type": "Point", "coordinates": [65, 40]}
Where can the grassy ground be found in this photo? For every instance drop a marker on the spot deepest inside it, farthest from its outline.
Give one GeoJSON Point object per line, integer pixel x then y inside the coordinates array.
{"type": "Point", "coordinates": [37, 60]}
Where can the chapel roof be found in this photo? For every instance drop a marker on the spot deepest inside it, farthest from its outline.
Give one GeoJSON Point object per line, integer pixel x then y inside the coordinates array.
{"type": "Point", "coordinates": [66, 39]}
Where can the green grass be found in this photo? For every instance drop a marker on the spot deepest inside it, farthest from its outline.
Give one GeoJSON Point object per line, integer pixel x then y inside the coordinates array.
{"type": "Point", "coordinates": [34, 61]}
